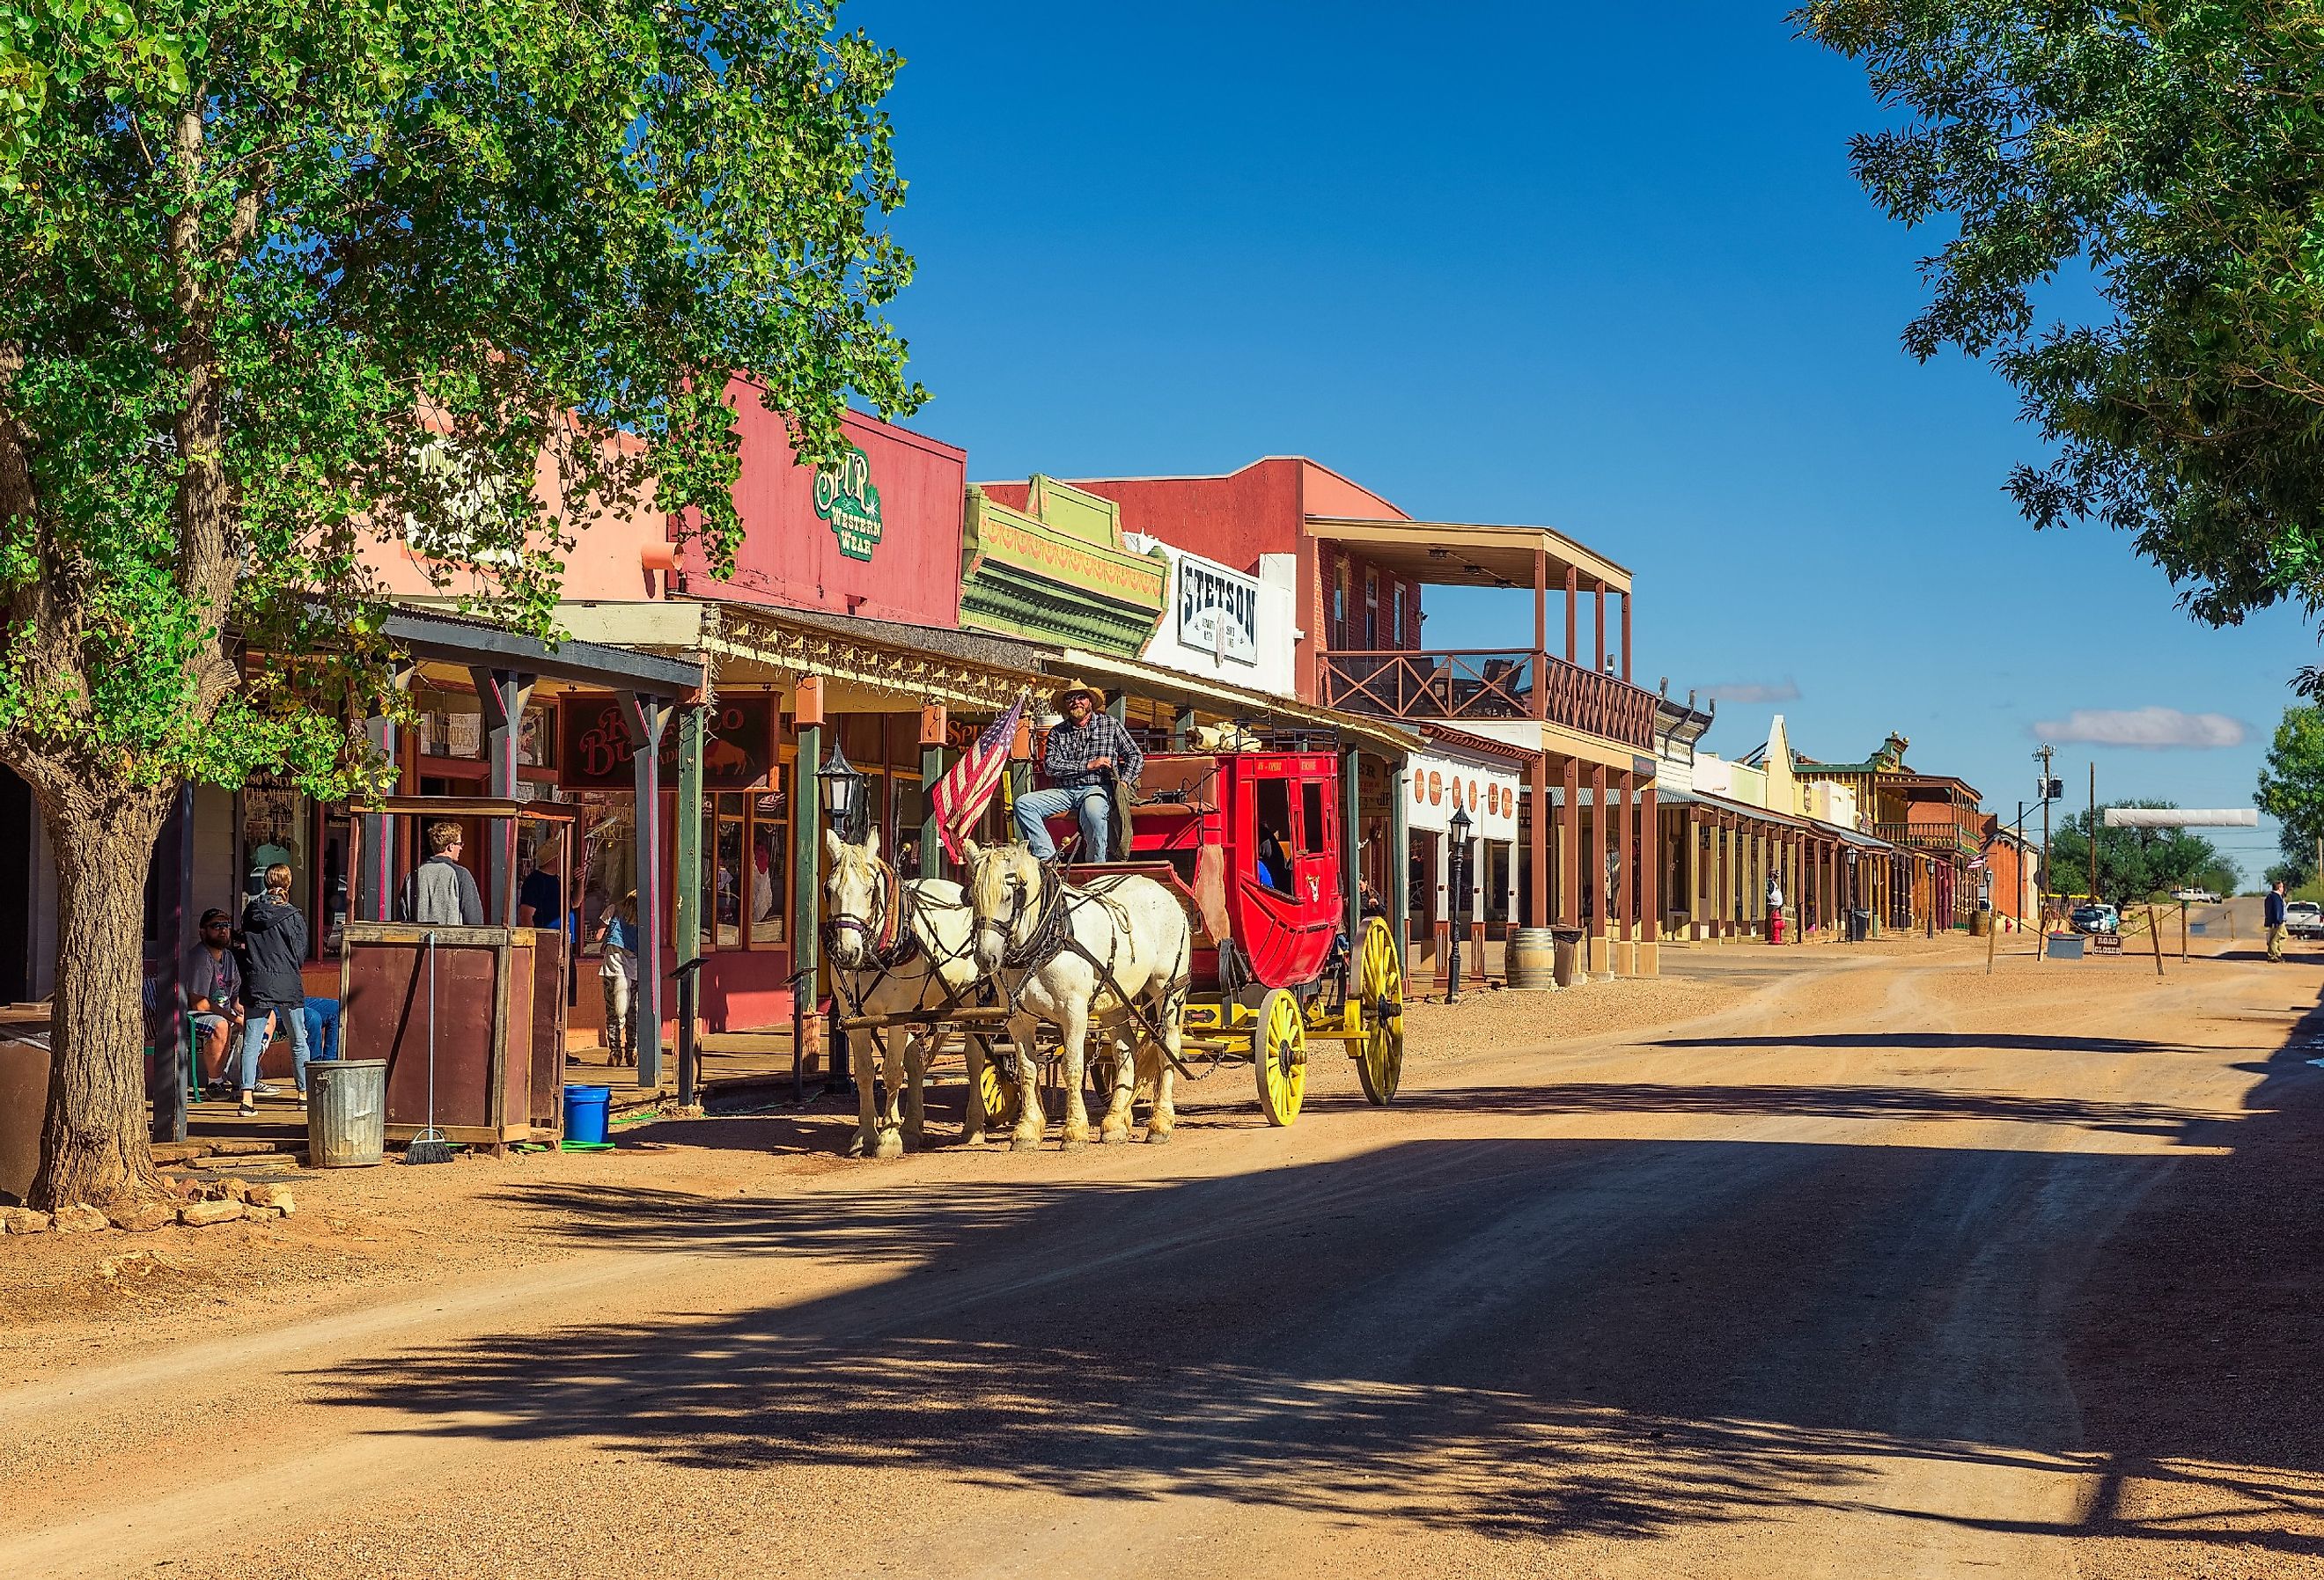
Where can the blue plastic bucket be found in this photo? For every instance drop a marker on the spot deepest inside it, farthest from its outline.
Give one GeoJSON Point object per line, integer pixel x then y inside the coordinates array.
{"type": "Point", "coordinates": [584, 1112]}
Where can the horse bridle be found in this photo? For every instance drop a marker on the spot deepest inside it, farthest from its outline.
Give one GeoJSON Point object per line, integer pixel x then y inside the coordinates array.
{"type": "Point", "coordinates": [894, 940]}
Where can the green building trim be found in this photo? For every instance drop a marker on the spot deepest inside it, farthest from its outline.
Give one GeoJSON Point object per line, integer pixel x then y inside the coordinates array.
{"type": "Point", "coordinates": [1058, 572]}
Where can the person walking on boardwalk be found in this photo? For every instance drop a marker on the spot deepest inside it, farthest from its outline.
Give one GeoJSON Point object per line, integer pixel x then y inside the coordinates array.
{"type": "Point", "coordinates": [2273, 913]}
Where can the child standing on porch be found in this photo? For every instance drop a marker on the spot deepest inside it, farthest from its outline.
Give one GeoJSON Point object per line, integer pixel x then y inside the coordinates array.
{"type": "Point", "coordinates": [617, 972]}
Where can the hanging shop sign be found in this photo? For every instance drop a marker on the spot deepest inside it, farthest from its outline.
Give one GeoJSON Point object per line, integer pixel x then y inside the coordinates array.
{"type": "Point", "coordinates": [850, 505]}
{"type": "Point", "coordinates": [593, 750]}
{"type": "Point", "coordinates": [1440, 786]}
{"type": "Point", "coordinates": [1218, 611]}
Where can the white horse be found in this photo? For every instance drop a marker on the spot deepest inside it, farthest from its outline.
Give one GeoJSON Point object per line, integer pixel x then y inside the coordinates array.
{"type": "Point", "coordinates": [1078, 958]}
{"type": "Point", "coordinates": [896, 945]}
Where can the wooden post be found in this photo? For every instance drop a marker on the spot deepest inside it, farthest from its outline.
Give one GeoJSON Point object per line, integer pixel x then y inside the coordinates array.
{"type": "Point", "coordinates": [1536, 836]}
{"type": "Point", "coordinates": [1992, 931]}
{"type": "Point", "coordinates": [1572, 605]}
{"type": "Point", "coordinates": [1600, 903]}
{"type": "Point", "coordinates": [2182, 932]}
{"type": "Point", "coordinates": [1627, 880]}
{"type": "Point", "coordinates": [2154, 935]}
{"type": "Point", "coordinates": [1650, 871]}
{"type": "Point", "coordinates": [501, 694]}
{"type": "Point", "coordinates": [1598, 629]}
{"type": "Point", "coordinates": [807, 858]}
{"type": "Point", "coordinates": [644, 718]}
{"type": "Point", "coordinates": [693, 723]}
{"type": "Point", "coordinates": [934, 721]}
{"type": "Point", "coordinates": [1691, 828]}
{"type": "Point", "coordinates": [1399, 862]}
{"type": "Point", "coordinates": [1569, 855]}
{"type": "Point", "coordinates": [1351, 853]}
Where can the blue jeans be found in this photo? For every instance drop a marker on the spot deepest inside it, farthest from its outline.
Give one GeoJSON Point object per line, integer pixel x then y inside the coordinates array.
{"type": "Point", "coordinates": [253, 1040]}
{"type": "Point", "coordinates": [1088, 802]}
{"type": "Point", "coordinates": [322, 1029]}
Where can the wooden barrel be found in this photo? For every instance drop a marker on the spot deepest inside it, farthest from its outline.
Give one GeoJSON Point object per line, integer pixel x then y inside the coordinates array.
{"type": "Point", "coordinates": [1532, 961]}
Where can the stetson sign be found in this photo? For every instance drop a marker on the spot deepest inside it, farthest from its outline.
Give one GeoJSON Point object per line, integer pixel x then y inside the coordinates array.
{"type": "Point", "coordinates": [1218, 611]}
{"type": "Point", "coordinates": [848, 502]}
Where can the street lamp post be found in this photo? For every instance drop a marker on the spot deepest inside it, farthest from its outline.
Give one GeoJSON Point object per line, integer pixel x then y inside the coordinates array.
{"type": "Point", "coordinates": [839, 793]}
{"type": "Point", "coordinates": [1459, 826]}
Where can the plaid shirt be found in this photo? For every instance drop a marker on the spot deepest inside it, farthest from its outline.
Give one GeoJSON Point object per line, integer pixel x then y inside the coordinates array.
{"type": "Point", "coordinates": [1067, 756]}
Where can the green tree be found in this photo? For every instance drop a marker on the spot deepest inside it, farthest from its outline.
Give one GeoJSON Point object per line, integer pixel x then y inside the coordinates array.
{"type": "Point", "coordinates": [2135, 864]}
{"type": "Point", "coordinates": [2291, 791]}
{"type": "Point", "coordinates": [2175, 152]}
{"type": "Point", "coordinates": [277, 276]}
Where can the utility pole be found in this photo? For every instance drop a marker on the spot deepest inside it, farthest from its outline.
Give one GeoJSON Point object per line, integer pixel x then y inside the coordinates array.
{"type": "Point", "coordinates": [2094, 834]}
{"type": "Point", "coordinates": [2041, 932]}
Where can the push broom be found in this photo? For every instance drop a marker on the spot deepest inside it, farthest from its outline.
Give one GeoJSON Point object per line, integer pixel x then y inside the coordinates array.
{"type": "Point", "coordinates": [429, 1146]}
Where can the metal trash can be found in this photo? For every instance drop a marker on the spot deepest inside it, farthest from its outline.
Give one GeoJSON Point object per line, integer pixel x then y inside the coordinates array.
{"type": "Point", "coordinates": [1566, 944]}
{"type": "Point", "coordinates": [1532, 960]}
{"type": "Point", "coordinates": [1859, 926]}
{"type": "Point", "coordinates": [346, 1112]}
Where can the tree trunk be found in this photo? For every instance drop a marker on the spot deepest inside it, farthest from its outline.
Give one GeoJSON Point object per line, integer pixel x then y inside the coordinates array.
{"type": "Point", "coordinates": [96, 1142]}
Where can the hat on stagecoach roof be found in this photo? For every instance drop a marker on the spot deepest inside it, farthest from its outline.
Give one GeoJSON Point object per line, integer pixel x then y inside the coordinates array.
{"type": "Point", "coordinates": [1079, 688]}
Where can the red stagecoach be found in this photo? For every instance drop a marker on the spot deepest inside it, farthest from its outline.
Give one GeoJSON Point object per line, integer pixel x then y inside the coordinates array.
{"type": "Point", "coordinates": [1251, 842]}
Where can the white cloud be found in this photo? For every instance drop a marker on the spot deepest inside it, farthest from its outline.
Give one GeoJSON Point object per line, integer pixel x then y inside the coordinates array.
{"type": "Point", "coordinates": [1750, 691]}
{"type": "Point", "coordinates": [2158, 728]}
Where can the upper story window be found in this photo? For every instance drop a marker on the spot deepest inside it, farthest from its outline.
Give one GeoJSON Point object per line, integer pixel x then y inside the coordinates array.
{"type": "Point", "coordinates": [1403, 637]}
{"type": "Point", "coordinates": [1371, 608]}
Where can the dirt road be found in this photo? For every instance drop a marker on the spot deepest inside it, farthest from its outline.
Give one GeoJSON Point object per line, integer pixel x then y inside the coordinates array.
{"type": "Point", "coordinates": [1886, 1268]}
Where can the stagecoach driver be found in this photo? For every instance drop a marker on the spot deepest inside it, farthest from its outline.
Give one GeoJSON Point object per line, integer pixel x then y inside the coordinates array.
{"type": "Point", "coordinates": [1086, 746]}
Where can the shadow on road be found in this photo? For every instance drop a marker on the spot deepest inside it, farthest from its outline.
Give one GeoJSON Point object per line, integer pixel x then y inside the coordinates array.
{"type": "Point", "coordinates": [1907, 1041]}
{"type": "Point", "coordinates": [1510, 1337]}
{"type": "Point", "coordinates": [2189, 1126]}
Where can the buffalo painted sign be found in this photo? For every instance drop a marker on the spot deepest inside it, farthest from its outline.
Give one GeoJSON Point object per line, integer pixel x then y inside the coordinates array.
{"type": "Point", "coordinates": [847, 502]}
{"type": "Point", "coordinates": [1439, 785]}
{"type": "Point", "coordinates": [1218, 611]}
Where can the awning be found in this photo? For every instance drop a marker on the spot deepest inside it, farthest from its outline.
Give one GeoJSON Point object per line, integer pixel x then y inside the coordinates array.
{"type": "Point", "coordinates": [1232, 702]}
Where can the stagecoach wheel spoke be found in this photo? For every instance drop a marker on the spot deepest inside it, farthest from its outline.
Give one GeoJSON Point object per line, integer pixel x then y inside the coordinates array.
{"type": "Point", "coordinates": [1280, 1053]}
{"type": "Point", "coordinates": [1380, 984]}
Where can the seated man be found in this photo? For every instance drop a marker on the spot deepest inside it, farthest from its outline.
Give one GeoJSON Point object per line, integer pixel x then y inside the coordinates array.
{"type": "Point", "coordinates": [1274, 865]}
{"type": "Point", "coordinates": [1086, 746]}
{"type": "Point", "coordinates": [213, 987]}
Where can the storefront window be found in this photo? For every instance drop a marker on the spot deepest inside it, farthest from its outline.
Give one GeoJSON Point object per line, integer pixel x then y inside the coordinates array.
{"type": "Point", "coordinates": [728, 872]}
{"type": "Point", "coordinates": [608, 864]}
{"type": "Point", "coordinates": [770, 834]}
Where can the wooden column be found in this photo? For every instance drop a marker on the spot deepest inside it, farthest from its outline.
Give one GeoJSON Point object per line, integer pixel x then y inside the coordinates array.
{"type": "Point", "coordinates": [1572, 606]}
{"type": "Point", "coordinates": [1690, 829]}
{"type": "Point", "coordinates": [1600, 841]}
{"type": "Point", "coordinates": [1351, 846]}
{"type": "Point", "coordinates": [1440, 913]}
{"type": "Point", "coordinates": [934, 722]}
{"type": "Point", "coordinates": [1626, 888]}
{"type": "Point", "coordinates": [1597, 630]}
{"type": "Point", "coordinates": [1540, 627]}
{"type": "Point", "coordinates": [502, 693]}
{"type": "Point", "coordinates": [1400, 862]}
{"type": "Point", "coordinates": [1650, 903]}
{"type": "Point", "coordinates": [645, 717]}
{"type": "Point", "coordinates": [1626, 636]}
{"type": "Point", "coordinates": [172, 869]}
{"type": "Point", "coordinates": [1569, 853]}
{"type": "Point", "coordinates": [693, 725]}
{"type": "Point", "coordinates": [1536, 837]}
{"type": "Point", "coordinates": [807, 887]}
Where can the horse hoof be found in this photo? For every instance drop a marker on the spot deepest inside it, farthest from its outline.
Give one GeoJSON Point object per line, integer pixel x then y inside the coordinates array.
{"type": "Point", "coordinates": [1111, 1134]}
{"type": "Point", "coordinates": [1155, 1137]}
{"type": "Point", "coordinates": [1073, 1143]}
{"type": "Point", "coordinates": [1024, 1143]}
{"type": "Point", "coordinates": [890, 1146]}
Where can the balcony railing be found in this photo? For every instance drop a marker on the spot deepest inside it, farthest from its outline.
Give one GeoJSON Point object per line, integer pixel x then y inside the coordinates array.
{"type": "Point", "coordinates": [1478, 684]}
{"type": "Point", "coordinates": [1945, 837]}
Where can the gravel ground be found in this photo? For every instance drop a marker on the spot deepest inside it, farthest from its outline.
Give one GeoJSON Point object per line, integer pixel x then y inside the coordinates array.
{"type": "Point", "coordinates": [1813, 1261]}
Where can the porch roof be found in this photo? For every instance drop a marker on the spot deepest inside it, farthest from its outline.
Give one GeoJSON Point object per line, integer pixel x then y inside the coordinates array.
{"type": "Point", "coordinates": [1464, 554]}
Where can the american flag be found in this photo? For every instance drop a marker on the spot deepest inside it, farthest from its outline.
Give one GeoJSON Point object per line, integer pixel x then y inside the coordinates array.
{"type": "Point", "coordinates": [961, 795]}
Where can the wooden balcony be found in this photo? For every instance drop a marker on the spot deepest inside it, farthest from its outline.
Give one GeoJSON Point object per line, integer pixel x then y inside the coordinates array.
{"type": "Point", "coordinates": [1481, 684]}
{"type": "Point", "coordinates": [1949, 837]}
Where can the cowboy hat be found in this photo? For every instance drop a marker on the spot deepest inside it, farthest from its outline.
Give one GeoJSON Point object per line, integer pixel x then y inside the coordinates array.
{"type": "Point", "coordinates": [1078, 689]}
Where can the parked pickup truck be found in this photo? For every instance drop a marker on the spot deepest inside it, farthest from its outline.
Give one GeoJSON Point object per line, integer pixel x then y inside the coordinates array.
{"type": "Point", "coordinates": [2303, 919]}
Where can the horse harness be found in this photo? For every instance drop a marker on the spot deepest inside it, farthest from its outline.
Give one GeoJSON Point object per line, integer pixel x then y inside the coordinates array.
{"type": "Point", "coordinates": [894, 943]}
{"type": "Point", "coordinates": [1053, 935]}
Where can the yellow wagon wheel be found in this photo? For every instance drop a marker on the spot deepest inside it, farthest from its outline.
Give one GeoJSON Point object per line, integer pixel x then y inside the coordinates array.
{"type": "Point", "coordinates": [1278, 1050]}
{"type": "Point", "coordinates": [1379, 987]}
{"type": "Point", "coordinates": [1003, 1102]}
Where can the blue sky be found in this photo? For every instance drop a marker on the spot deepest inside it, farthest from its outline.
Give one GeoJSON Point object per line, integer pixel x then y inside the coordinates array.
{"type": "Point", "coordinates": [1541, 263]}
